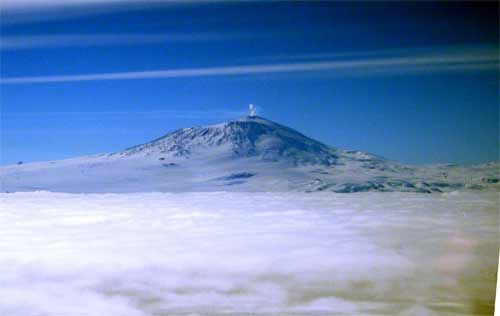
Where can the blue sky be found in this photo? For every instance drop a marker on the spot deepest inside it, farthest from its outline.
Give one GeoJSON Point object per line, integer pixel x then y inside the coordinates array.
{"type": "Point", "coordinates": [414, 82]}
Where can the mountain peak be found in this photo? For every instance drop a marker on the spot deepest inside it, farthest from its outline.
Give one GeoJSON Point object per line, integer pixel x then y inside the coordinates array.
{"type": "Point", "coordinates": [248, 136]}
{"type": "Point", "coordinates": [255, 119]}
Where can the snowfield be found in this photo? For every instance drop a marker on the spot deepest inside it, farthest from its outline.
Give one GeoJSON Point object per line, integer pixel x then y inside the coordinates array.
{"type": "Point", "coordinates": [217, 253]}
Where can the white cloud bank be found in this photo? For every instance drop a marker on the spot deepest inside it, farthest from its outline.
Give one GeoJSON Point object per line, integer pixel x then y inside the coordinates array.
{"type": "Point", "coordinates": [247, 254]}
{"type": "Point", "coordinates": [407, 64]}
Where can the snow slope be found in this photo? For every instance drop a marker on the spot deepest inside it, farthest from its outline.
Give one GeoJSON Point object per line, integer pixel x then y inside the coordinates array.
{"type": "Point", "coordinates": [249, 154]}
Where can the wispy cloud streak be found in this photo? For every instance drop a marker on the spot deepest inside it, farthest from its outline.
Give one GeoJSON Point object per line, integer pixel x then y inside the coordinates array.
{"type": "Point", "coordinates": [65, 40]}
{"type": "Point", "coordinates": [38, 4]}
{"type": "Point", "coordinates": [85, 115]}
{"type": "Point", "coordinates": [28, 11]}
{"type": "Point", "coordinates": [445, 62]}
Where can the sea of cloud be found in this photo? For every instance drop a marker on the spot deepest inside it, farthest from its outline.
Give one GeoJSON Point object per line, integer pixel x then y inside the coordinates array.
{"type": "Point", "coordinates": [248, 254]}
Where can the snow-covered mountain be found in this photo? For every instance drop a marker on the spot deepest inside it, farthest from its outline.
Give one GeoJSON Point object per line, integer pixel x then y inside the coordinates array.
{"type": "Point", "coordinates": [249, 154]}
{"type": "Point", "coordinates": [248, 137]}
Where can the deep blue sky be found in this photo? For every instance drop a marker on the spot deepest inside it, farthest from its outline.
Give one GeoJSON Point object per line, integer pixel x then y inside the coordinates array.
{"type": "Point", "coordinates": [423, 87]}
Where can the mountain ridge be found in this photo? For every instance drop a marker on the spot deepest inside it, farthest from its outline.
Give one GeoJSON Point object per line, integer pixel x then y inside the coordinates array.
{"type": "Point", "coordinates": [248, 154]}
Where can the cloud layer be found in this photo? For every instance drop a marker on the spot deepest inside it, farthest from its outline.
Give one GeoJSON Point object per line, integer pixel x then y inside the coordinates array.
{"type": "Point", "coordinates": [247, 254]}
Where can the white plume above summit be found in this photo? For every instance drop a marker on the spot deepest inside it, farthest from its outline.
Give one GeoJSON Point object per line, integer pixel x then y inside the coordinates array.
{"type": "Point", "coordinates": [251, 110]}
